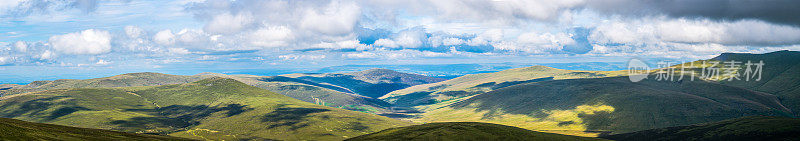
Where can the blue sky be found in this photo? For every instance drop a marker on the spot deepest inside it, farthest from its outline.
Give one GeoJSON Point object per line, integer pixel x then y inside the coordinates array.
{"type": "Point", "coordinates": [48, 39]}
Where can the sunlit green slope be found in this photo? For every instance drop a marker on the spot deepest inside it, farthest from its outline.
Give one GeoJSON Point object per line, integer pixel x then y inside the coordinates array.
{"type": "Point", "coordinates": [214, 108]}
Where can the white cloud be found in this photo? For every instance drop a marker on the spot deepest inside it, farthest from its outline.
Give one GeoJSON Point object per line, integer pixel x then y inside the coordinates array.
{"type": "Point", "coordinates": [164, 37]}
{"type": "Point", "coordinates": [336, 19]}
{"type": "Point", "coordinates": [134, 32]}
{"type": "Point", "coordinates": [102, 62]}
{"type": "Point", "coordinates": [46, 55]}
{"type": "Point", "coordinates": [4, 60]}
{"type": "Point", "coordinates": [273, 36]}
{"type": "Point", "coordinates": [21, 46]}
{"type": "Point", "coordinates": [89, 41]}
{"type": "Point", "coordinates": [179, 51]}
{"type": "Point", "coordinates": [227, 23]}
{"type": "Point", "coordinates": [386, 43]}
{"type": "Point", "coordinates": [301, 57]}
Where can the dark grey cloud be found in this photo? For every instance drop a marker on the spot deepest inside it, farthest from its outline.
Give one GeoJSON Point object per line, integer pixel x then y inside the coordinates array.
{"type": "Point", "coordinates": [774, 11]}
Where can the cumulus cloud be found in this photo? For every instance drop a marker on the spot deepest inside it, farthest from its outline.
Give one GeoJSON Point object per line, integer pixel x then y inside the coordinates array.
{"type": "Point", "coordinates": [337, 18]}
{"type": "Point", "coordinates": [275, 36]}
{"type": "Point", "coordinates": [227, 23]}
{"type": "Point", "coordinates": [89, 41]}
{"type": "Point", "coordinates": [164, 37]}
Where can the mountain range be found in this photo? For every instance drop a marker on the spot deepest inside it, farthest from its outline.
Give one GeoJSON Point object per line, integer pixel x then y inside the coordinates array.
{"type": "Point", "coordinates": [529, 101]}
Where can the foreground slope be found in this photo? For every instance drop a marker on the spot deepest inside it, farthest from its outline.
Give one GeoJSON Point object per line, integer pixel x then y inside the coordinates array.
{"type": "Point", "coordinates": [608, 105]}
{"type": "Point", "coordinates": [124, 80]}
{"type": "Point", "coordinates": [371, 83]}
{"type": "Point", "coordinates": [463, 131]}
{"type": "Point", "coordinates": [746, 128]}
{"type": "Point", "coordinates": [13, 129]}
{"type": "Point", "coordinates": [214, 108]}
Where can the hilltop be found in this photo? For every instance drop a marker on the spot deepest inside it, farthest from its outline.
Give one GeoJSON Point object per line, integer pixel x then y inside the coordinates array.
{"type": "Point", "coordinates": [123, 80]}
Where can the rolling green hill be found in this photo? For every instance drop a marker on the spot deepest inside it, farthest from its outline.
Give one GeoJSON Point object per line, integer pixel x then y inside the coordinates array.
{"type": "Point", "coordinates": [320, 94]}
{"type": "Point", "coordinates": [371, 83]}
{"type": "Point", "coordinates": [214, 108]}
{"type": "Point", "coordinates": [435, 95]}
{"type": "Point", "coordinates": [740, 129]}
{"type": "Point", "coordinates": [13, 129]}
{"type": "Point", "coordinates": [464, 131]}
{"type": "Point", "coordinates": [588, 107]}
{"type": "Point", "coordinates": [124, 80]}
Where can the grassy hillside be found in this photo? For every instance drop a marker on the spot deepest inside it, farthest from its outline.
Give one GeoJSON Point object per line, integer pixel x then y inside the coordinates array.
{"type": "Point", "coordinates": [371, 83]}
{"type": "Point", "coordinates": [21, 130]}
{"type": "Point", "coordinates": [446, 92]}
{"type": "Point", "coordinates": [124, 80]}
{"type": "Point", "coordinates": [464, 131]}
{"type": "Point", "coordinates": [781, 75]}
{"type": "Point", "coordinates": [608, 105]}
{"type": "Point", "coordinates": [311, 92]}
{"type": "Point", "coordinates": [214, 108]}
{"type": "Point", "coordinates": [746, 128]}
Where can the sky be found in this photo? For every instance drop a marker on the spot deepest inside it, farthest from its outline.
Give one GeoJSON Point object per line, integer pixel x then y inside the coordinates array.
{"type": "Point", "coordinates": [48, 39]}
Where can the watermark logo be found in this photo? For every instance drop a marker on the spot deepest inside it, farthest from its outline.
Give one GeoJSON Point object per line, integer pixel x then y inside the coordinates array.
{"type": "Point", "coordinates": [729, 70]}
{"type": "Point", "coordinates": [637, 70]}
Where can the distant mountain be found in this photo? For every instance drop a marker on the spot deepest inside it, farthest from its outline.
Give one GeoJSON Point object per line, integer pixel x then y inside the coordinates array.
{"type": "Point", "coordinates": [740, 129]}
{"type": "Point", "coordinates": [608, 105]}
{"type": "Point", "coordinates": [124, 80]}
{"type": "Point", "coordinates": [453, 90]}
{"type": "Point", "coordinates": [214, 108]}
{"type": "Point", "coordinates": [13, 129]}
{"type": "Point", "coordinates": [464, 131]}
{"type": "Point", "coordinates": [371, 83]}
{"type": "Point", "coordinates": [321, 94]}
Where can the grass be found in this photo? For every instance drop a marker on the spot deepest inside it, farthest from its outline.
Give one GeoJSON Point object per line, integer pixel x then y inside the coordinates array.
{"type": "Point", "coordinates": [465, 131]}
{"type": "Point", "coordinates": [746, 128]}
{"type": "Point", "coordinates": [209, 108]}
{"type": "Point", "coordinates": [307, 91]}
{"type": "Point", "coordinates": [608, 105]}
{"type": "Point", "coordinates": [474, 84]}
{"type": "Point", "coordinates": [21, 130]}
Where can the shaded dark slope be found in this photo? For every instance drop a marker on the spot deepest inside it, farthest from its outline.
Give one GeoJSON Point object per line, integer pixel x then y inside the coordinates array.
{"type": "Point", "coordinates": [633, 106]}
{"type": "Point", "coordinates": [13, 129]}
{"type": "Point", "coordinates": [464, 131]}
{"type": "Point", "coordinates": [781, 75]}
{"type": "Point", "coordinates": [744, 129]}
